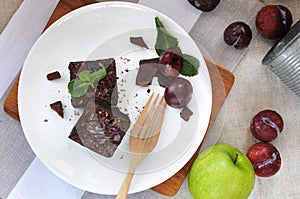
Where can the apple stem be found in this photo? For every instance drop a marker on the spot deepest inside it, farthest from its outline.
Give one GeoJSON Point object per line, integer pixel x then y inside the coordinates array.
{"type": "Point", "coordinates": [236, 157]}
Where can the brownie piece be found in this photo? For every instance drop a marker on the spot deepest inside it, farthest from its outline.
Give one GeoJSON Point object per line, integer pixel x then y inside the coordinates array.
{"type": "Point", "coordinates": [106, 90]}
{"type": "Point", "coordinates": [75, 137]}
{"type": "Point", "coordinates": [102, 125]}
{"type": "Point", "coordinates": [58, 108]}
{"type": "Point", "coordinates": [101, 128]}
{"type": "Point", "coordinates": [53, 75]}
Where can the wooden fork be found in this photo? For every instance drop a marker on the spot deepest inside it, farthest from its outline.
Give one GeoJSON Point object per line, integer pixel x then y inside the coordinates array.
{"type": "Point", "coordinates": [143, 138]}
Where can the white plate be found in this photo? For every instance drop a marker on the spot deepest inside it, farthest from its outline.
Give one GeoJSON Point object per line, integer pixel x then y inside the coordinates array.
{"type": "Point", "coordinates": [98, 31]}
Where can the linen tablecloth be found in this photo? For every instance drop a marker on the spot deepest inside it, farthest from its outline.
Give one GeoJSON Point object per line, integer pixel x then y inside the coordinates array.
{"type": "Point", "coordinates": [255, 88]}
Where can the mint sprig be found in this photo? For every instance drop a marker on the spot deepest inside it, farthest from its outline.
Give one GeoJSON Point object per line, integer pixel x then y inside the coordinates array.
{"type": "Point", "coordinates": [165, 40]}
{"type": "Point", "coordinates": [190, 65]}
{"type": "Point", "coordinates": [79, 86]}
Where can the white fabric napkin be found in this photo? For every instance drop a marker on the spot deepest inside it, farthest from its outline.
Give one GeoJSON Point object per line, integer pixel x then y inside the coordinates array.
{"type": "Point", "coordinates": [19, 35]}
{"type": "Point", "coordinates": [38, 181]}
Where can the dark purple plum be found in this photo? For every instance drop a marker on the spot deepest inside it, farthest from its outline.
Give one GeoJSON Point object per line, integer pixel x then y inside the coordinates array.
{"type": "Point", "coordinates": [273, 21]}
{"type": "Point", "coordinates": [238, 34]}
{"type": "Point", "coordinates": [178, 92]}
{"type": "Point", "coordinates": [266, 125]}
{"type": "Point", "coordinates": [265, 159]}
{"type": "Point", "coordinates": [171, 62]}
{"type": "Point", "coordinates": [205, 5]}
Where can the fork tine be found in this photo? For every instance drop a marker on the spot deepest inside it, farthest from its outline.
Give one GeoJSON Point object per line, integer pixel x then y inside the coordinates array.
{"type": "Point", "coordinates": [144, 111]}
{"type": "Point", "coordinates": [161, 115]}
{"type": "Point", "coordinates": [142, 118]}
{"type": "Point", "coordinates": [145, 126]}
{"type": "Point", "coordinates": [155, 124]}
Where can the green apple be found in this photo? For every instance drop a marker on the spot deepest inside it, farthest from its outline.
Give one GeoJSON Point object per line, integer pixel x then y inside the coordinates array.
{"type": "Point", "coordinates": [222, 172]}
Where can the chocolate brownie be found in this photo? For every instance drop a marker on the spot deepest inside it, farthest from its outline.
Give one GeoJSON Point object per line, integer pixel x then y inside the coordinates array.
{"type": "Point", "coordinates": [102, 125]}
{"type": "Point", "coordinates": [101, 128]}
{"type": "Point", "coordinates": [106, 90]}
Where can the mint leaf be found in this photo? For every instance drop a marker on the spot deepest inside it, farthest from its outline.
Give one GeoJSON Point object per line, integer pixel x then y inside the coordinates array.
{"type": "Point", "coordinates": [85, 76]}
{"type": "Point", "coordinates": [98, 75]}
{"type": "Point", "coordinates": [78, 88]}
{"type": "Point", "coordinates": [164, 39]}
{"type": "Point", "coordinates": [190, 65]}
{"type": "Point", "coordinates": [70, 86]}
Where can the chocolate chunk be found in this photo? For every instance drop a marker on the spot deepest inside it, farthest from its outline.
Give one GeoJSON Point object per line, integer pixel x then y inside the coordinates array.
{"type": "Point", "coordinates": [58, 108]}
{"type": "Point", "coordinates": [186, 113]}
{"type": "Point", "coordinates": [139, 41]}
{"type": "Point", "coordinates": [147, 70]}
{"type": "Point", "coordinates": [53, 75]}
{"type": "Point", "coordinates": [154, 62]}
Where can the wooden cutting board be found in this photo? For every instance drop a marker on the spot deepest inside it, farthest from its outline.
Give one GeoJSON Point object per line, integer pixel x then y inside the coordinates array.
{"type": "Point", "coordinates": [221, 79]}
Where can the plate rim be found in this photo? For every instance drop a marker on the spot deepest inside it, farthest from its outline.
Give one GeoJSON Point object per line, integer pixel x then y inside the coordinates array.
{"type": "Point", "coordinates": [100, 5]}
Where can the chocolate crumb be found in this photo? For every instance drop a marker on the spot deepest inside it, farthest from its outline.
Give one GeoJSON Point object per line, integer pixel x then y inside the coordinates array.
{"type": "Point", "coordinates": [148, 90]}
{"type": "Point", "coordinates": [186, 113]}
{"type": "Point", "coordinates": [126, 70]}
{"type": "Point", "coordinates": [53, 76]}
{"type": "Point", "coordinates": [139, 41]}
{"type": "Point", "coordinates": [46, 120]}
{"type": "Point", "coordinates": [76, 113]}
{"type": "Point", "coordinates": [58, 108]}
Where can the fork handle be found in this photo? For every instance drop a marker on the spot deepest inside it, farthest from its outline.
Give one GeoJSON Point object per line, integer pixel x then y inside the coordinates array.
{"type": "Point", "coordinates": [125, 186]}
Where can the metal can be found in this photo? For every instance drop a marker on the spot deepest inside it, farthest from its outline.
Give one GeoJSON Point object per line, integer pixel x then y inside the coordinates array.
{"type": "Point", "coordinates": [284, 58]}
